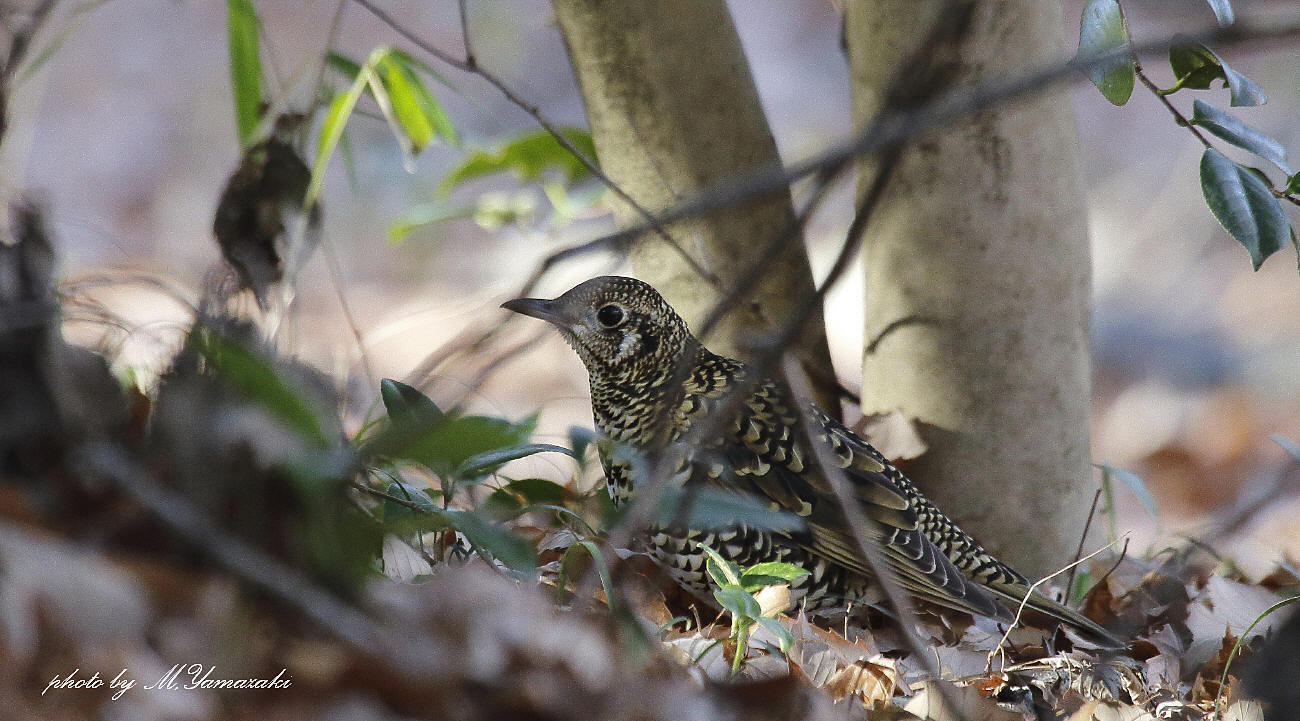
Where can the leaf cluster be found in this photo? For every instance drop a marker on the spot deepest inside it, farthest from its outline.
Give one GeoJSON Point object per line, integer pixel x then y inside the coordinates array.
{"type": "Point", "coordinates": [1245, 201]}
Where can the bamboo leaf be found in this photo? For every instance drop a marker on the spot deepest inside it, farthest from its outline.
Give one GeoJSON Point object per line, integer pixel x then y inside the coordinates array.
{"type": "Point", "coordinates": [528, 157]}
{"type": "Point", "coordinates": [1135, 484]}
{"type": "Point", "coordinates": [245, 66]}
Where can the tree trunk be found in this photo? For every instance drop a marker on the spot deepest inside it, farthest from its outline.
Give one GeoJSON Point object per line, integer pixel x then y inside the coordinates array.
{"type": "Point", "coordinates": [673, 109]}
{"type": "Point", "coordinates": [977, 282]}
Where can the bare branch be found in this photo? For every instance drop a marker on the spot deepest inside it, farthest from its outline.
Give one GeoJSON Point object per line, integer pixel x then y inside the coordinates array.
{"type": "Point", "coordinates": [405, 654]}
{"type": "Point", "coordinates": [899, 125]}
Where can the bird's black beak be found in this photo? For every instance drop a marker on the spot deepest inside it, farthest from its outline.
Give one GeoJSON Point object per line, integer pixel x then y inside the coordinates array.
{"type": "Point", "coordinates": [536, 308]}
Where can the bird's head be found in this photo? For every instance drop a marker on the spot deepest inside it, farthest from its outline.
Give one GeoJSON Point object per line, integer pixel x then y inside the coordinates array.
{"type": "Point", "coordinates": [624, 331]}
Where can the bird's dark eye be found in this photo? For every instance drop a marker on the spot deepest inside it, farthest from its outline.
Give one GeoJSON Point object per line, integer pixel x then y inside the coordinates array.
{"type": "Point", "coordinates": [610, 315]}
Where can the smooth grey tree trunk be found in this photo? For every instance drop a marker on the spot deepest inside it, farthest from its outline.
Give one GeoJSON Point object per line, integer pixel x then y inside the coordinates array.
{"type": "Point", "coordinates": [977, 283]}
{"type": "Point", "coordinates": [673, 109]}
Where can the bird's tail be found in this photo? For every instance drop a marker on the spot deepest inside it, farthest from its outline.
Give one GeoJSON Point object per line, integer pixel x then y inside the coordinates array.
{"type": "Point", "coordinates": [1040, 605]}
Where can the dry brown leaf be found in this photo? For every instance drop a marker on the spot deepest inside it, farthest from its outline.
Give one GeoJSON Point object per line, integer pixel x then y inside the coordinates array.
{"type": "Point", "coordinates": [401, 562]}
{"type": "Point", "coordinates": [1281, 576]}
{"type": "Point", "coordinates": [1162, 672]}
{"type": "Point", "coordinates": [700, 652]}
{"type": "Point", "coordinates": [773, 600]}
{"type": "Point", "coordinates": [1121, 712]}
{"type": "Point", "coordinates": [1224, 603]}
{"type": "Point", "coordinates": [874, 682]}
{"type": "Point", "coordinates": [928, 703]}
{"type": "Point", "coordinates": [1085, 711]}
{"type": "Point", "coordinates": [1244, 710]}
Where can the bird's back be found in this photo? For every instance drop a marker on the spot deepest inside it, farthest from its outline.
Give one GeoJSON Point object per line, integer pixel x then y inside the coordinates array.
{"type": "Point", "coordinates": [760, 449]}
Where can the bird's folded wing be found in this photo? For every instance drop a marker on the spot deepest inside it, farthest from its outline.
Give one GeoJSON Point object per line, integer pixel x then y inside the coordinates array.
{"type": "Point", "coordinates": [765, 460]}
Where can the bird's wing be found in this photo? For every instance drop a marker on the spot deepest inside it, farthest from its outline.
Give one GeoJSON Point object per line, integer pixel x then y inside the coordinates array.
{"type": "Point", "coordinates": [931, 557]}
{"type": "Point", "coordinates": [766, 459]}
{"type": "Point", "coordinates": [993, 577]}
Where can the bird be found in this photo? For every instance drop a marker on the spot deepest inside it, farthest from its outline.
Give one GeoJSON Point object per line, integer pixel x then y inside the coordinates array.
{"type": "Point", "coordinates": [652, 381]}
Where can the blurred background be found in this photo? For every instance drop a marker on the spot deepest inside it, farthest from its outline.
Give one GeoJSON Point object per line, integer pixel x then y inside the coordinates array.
{"type": "Point", "coordinates": [127, 132]}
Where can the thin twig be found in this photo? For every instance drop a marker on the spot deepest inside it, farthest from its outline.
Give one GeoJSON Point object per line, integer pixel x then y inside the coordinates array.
{"type": "Point", "coordinates": [389, 497]}
{"type": "Point", "coordinates": [336, 279]}
{"type": "Point", "coordinates": [1087, 525]}
{"type": "Point", "coordinates": [859, 530]}
{"type": "Point", "coordinates": [470, 60]}
{"type": "Point", "coordinates": [336, 23]}
{"type": "Point", "coordinates": [407, 655]}
{"type": "Point", "coordinates": [1180, 119]}
{"type": "Point", "coordinates": [898, 126]}
{"type": "Point", "coordinates": [1024, 602]}
{"type": "Point", "coordinates": [19, 43]}
{"type": "Point", "coordinates": [1123, 553]}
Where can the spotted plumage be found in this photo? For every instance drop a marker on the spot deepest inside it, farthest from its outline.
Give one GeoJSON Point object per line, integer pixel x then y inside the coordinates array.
{"type": "Point", "coordinates": [652, 382]}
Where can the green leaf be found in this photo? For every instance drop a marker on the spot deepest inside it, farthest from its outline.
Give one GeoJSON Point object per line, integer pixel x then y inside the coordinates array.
{"type": "Point", "coordinates": [418, 113]}
{"type": "Point", "coordinates": [398, 513]}
{"type": "Point", "coordinates": [722, 571]}
{"type": "Point", "coordinates": [406, 404]}
{"type": "Point", "coordinates": [504, 546]}
{"type": "Point", "coordinates": [245, 67]}
{"type": "Point", "coordinates": [257, 379]}
{"type": "Point", "coordinates": [424, 214]}
{"type": "Point", "coordinates": [536, 490]}
{"type": "Point", "coordinates": [713, 508]}
{"type": "Point", "coordinates": [1292, 185]}
{"type": "Point", "coordinates": [347, 67]}
{"type": "Point", "coordinates": [416, 130]}
{"type": "Point", "coordinates": [527, 156]}
{"type": "Point", "coordinates": [784, 638]}
{"type": "Point", "coordinates": [739, 602]}
{"type": "Point", "coordinates": [1287, 445]}
{"type": "Point", "coordinates": [1244, 206]}
{"type": "Point", "coordinates": [501, 505]}
{"type": "Point", "coordinates": [1243, 91]}
{"type": "Point", "coordinates": [429, 105]}
{"type": "Point", "coordinates": [331, 131]}
{"type": "Point", "coordinates": [1239, 134]}
{"type": "Point", "coordinates": [489, 461]}
{"type": "Point", "coordinates": [580, 439]}
{"type": "Point", "coordinates": [1135, 484]}
{"type": "Point", "coordinates": [1222, 12]}
{"type": "Point", "coordinates": [770, 574]}
{"type": "Point", "coordinates": [416, 64]}
{"type": "Point", "coordinates": [1102, 32]}
{"type": "Point", "coordinates": [1196, 67]}
{"type": "Point", "coordinates": [448, 445]}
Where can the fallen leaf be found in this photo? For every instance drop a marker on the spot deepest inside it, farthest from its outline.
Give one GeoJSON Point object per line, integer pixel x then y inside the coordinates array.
{"type": "Point", "coordinates": [874, 682]}
{"type": "Point", "coordinates": [773, 600]}
{"type": "Point", "coordinates": [1085, 712]}
{"type": "Point", "coordinates": [1225, 604]}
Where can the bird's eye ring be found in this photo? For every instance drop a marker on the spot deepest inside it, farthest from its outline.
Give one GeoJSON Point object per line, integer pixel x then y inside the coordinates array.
{"type": "Point", "coordinates": [610, 315]}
